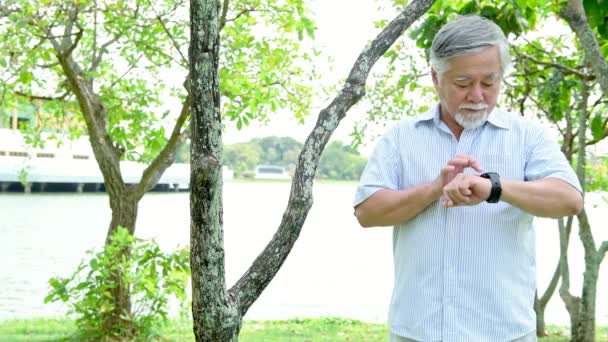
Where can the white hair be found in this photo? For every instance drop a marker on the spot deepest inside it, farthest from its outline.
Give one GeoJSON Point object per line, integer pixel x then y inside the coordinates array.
{"type": "Point", "coordinates": [466, 35]}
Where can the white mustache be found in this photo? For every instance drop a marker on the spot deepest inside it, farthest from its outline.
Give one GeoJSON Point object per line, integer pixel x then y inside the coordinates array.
{"type": "Point", "coordinates": [474, 106]}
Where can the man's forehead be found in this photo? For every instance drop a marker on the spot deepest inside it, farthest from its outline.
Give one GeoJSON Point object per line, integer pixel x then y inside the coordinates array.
{"type": "Point", "coordinates": [466, 77]}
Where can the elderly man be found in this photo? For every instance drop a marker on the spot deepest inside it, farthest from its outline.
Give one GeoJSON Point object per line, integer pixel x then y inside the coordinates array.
{"type": "Point", "coordinates": [461, 184]}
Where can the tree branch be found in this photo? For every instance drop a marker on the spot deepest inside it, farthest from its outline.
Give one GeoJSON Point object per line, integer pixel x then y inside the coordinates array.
{"type": "Point", "coordinates": [131, 66]}
{"type": "Point", "coordinates": [94, 54]}
{"type": "Point", "coordinates": [166, 157]}
{"type": "Point", "coordinates": [69, 51]}
{"type": "Point", "coordinates": [44, 98]}
{"type": "Point", "coordinates": [67, 33]}
{"type": "Point", "coordinates": [571, 302]}
{"type": "Point", "coordinates": [47, 66]}
{"type": "Point", "coordinates": [175, 45]}
{"type": "Point", "coordinates": [93, 112]}
{"type": "Point", "coordinates": [595, 141]}
{"type": "Point", "coordinates": [574, 14]}
{"type": "Point", "coordinates": [98, 57]}
{"type": "Point", "coordinates": [602, 251]}
{"type": "Point", "coordinates": [551, 288]}
{"type": "Point", "coordinates": [224, 14]}
{"type": "Point", "coordinates": [565, 70]}
{"type": "Point", "coordinates": [266, 265]}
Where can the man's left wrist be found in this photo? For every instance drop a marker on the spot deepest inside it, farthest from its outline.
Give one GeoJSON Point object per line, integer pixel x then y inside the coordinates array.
{"type": "Point", "coordinates": [496, 187]}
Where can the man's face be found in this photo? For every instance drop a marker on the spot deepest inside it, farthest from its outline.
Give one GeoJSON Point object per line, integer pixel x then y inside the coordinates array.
{"type": "Point", "coordinates": [469, 88]}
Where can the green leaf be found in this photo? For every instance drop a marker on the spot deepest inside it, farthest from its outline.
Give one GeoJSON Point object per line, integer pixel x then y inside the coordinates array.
{"type": "Point", "coordinates": [597, 127]}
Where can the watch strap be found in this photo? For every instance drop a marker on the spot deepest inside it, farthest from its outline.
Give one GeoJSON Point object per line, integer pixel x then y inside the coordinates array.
{"type": "Point", "coordinates": [496, 190]}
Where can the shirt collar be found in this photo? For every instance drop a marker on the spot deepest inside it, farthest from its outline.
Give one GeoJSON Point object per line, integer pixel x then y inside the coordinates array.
{"type": "Point", "coordinates": [431, 114]}
{"type": "Point", "coordinates": [499, 119]}
{"type": "Point", "coordinates": [496, 118]}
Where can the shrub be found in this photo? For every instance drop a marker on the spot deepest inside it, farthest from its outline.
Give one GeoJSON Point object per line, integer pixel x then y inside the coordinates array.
{"type": "Point", "coordinates": [152, 277]}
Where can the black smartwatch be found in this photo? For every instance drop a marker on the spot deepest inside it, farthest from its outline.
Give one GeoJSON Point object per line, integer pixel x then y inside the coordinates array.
{"type": "Point", "coordinates": [496, 188]}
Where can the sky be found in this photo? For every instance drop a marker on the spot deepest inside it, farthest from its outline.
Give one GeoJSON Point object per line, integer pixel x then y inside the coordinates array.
{"type": "Point", "coordinates": [344, 27]}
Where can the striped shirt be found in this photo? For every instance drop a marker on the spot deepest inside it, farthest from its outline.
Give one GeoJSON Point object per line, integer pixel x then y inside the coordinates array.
{"type": "Point", "coordinates": [463, 273]}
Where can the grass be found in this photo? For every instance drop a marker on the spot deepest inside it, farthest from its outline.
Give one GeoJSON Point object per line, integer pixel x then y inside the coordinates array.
{"type": "Point", "coordinates": [288, 181]}
{"type": "Point", "coordinates": [326, 329]}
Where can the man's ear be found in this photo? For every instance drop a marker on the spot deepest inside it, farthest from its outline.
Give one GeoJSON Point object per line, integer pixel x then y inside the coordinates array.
{"type": "Point", "coordinates": [435, 78]}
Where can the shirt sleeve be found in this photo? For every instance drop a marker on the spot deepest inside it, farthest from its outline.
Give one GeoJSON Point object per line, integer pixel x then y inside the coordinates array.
{"type": "Point", "coordinates": [383, 169]}
{"type": "Point", "coordinates": [545, 159]}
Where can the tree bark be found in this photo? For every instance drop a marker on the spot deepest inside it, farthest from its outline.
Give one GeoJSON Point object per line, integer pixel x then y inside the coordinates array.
{"type": "Point", "coordinates": [585, 329]}
{"type": "Point", "coordinates": [540, 304]}
{"type": "Point", "coordinates": [574, 14]}
{"type": "Point", "coordinates": [217, 312]}
{"type": "Point", "coordinates": [582, 309]}
{"type": "Point", "coordinates": [215, 315]}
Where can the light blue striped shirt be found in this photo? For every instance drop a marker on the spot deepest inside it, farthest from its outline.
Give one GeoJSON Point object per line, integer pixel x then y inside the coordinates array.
{"type": "Point", "coordinates": [464, 273]}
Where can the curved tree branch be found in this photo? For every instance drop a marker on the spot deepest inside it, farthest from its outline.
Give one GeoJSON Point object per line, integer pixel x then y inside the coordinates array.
{"type": "Point", "coordinates": [166, 157]}
{"type": "Point", "coordinates": [574, 14]}
{"type": "Point", "coordinates": [266, 265]}
{"type": "Point", "coordinates": [564, 69]}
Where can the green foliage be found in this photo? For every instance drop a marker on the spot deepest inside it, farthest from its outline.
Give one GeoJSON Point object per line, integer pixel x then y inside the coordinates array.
{"type": "Point", "coordinates": [340, 161]}
{"type": "Point", "coordinates": [127, 49]}
{"type": "Point", "coordinates": [403, 87]}
{"type": "Point", "coordinates": [548, 82]}
{"type": "Point", "coordinates": [242, 158]}
{"type": "Point", "coordinates": [152, 276]}
{"type": "Point", "coordinates": [263, 73]}
{"type": "Point", "coordinates": [597, 15]}
{"type": "Point", "coordinates": [513, 16]}
{"type": "Point", "coordinates": [282, 151]}
{"type": "Point", "coordinates": [22, 176]}
{"type": "Point", "coordinates": [597, 175]}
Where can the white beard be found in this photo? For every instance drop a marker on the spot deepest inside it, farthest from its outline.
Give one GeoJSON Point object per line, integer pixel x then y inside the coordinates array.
{"type": "Point", "coordinates": [472, 120]}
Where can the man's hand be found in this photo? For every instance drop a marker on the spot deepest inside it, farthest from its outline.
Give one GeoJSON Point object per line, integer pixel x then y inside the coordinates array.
{"type": "Point", "coordinates": [466, 190]}
{"type": "Point", "coordinates": [454, 167]}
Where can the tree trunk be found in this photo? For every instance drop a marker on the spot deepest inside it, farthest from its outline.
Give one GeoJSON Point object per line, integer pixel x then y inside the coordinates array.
{"type": "Point", "coordinates": [124, 214]}
{"type": "Point", "coordinates": [540, 304]}
{"type": "Point", "coordinates": [124, 199]}
{"type": "Point", "coordinates": [217, 312]}
{"type": "Point", "coordinates": [584, 330]}
{"type": "Point", "coordinates": [215, 316]}
{"type": "Point", "coordinates": [571, 302]}
{"type": "Point", "coordinates": [581, 309]}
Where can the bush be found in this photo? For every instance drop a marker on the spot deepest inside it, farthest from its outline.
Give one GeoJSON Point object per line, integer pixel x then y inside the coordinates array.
{"type": "Point", "coordinates": [152, 277]}
{"type": "Point", "coordinates": [248, 174]}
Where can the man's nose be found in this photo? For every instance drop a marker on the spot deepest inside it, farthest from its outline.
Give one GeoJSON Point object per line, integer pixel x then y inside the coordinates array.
{"type": "Point", "coordinates": [475, 94]}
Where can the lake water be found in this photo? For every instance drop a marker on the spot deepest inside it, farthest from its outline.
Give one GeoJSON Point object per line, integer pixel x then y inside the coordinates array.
{"type": "Point", "coordinates": [336, 268]}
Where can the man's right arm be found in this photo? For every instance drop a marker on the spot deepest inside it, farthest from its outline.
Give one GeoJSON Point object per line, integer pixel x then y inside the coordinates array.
{"type": "Point", "coordinates": [387, 207]}
{"type": "Point", "coordinates": [390, 207]}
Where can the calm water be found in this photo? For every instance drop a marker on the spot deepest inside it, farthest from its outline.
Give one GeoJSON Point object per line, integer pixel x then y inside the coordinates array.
{"type": "Point", "coordinates": [335, 268]}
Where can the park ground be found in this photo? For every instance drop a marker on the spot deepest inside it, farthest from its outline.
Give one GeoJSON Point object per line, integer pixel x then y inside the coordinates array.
{"type": "Point", "coordinates": [327, 329]}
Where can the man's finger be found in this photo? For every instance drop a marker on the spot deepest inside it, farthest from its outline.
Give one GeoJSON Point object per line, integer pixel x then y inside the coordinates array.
{"type": "Point", "coordinates": [455, 196]}
{"type": "Point", "coordinates": [464, 162]}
